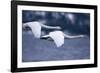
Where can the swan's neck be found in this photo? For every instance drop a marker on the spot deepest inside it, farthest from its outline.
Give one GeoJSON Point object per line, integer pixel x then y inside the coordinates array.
{"type": "Point", "coordinates": [42, 21]}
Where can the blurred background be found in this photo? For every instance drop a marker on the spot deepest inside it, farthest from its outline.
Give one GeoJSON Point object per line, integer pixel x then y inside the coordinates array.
{"type": "Point", "coordinates": [73, 23]}
{"type": "Point", "coordinates": [35, 50]}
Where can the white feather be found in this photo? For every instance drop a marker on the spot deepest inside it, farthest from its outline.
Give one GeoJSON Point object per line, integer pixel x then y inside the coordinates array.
{"type": "Point", "coordinates": [36, 28]}
{"type": "Point", "coordinates": [58, 37]}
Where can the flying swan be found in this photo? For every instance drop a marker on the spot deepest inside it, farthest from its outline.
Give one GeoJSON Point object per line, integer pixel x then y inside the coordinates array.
{"type": "Point", "coordinates": [58, 37]}
{"type": "Point", "coordinates": [37, 26]}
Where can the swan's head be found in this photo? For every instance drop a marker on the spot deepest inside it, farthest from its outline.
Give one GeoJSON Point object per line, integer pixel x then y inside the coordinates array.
{"type": "Point", "coordinates": [82, 35]}
{"type": "Point", "coordinates": [58, 27]}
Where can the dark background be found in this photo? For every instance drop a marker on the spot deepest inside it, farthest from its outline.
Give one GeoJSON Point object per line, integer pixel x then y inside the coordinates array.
{"type": "Point", "coordinates": [79, 24]}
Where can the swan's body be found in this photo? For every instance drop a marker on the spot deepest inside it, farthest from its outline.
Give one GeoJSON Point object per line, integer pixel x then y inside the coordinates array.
{"type": "Point", "coordinates": [58, 37]}
{"type": "Point", "coordinates": [37, 26]}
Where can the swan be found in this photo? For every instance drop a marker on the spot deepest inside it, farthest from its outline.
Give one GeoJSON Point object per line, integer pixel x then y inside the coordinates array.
{"type": "Point", "coordinates": [36, 27]}
{"type": "Point", "coordinates": [58, 37]}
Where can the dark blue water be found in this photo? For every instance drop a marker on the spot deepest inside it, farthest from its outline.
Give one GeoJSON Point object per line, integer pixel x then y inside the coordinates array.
{"type": "Point", "coordinates": [43, 50]}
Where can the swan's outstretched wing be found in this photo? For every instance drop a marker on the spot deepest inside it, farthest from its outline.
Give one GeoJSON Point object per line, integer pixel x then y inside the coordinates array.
{"type": "Point", "coordinates": [58, 37]}
{"type": "Point", "coordinates": [36, 28]}
{"type": "Point", "coordinates": [36, 31]}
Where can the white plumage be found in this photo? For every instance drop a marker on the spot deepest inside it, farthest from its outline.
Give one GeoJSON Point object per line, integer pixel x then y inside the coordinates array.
{"type": "Point", "coordinates": [37, 26]}
{"type": "Point", "coordinates": [57, 37]}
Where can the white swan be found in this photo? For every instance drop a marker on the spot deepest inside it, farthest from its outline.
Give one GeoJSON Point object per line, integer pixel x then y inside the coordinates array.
{"type": "Point", "coordinates": [58, 37]}
{"type": "Point", "coordinates": [36, 27]}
